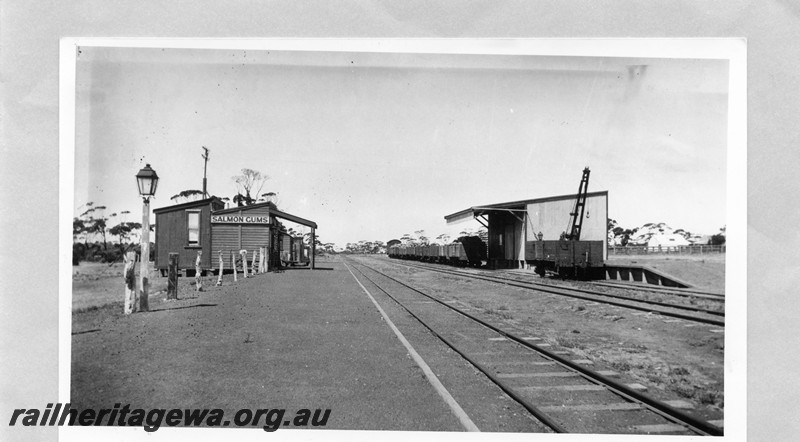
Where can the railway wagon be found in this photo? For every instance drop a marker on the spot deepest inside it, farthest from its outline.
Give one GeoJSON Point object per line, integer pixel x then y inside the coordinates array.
{"type": "Point", "coordinates": [301, 252]}
{"type": "Point", "coordinates": [293, 250]}
{"type": "Point", "coordinates": [395, 251]}
{"type": "Point", "coordinates": [424, 253]}
{"type": "Point", "coordinates": [475, 250]}
{"type": "Point", "coordinates": [567, 258]}
{"type": "Point", "coordinates": [468, 250]}
{"type": "Point", "coordinates": [432, 253]}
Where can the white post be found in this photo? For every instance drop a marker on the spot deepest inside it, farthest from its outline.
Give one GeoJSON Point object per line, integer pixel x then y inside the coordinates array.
{"type": "Point", "coordinates": [233, 265]}
{"type": "Point", "coordinates": [263, 261]}
{"type": "Point", "coordinates": [129, 273]}
{"type": "Point", "coordinates": [221, 268]}
{"type": "Point", "coordinates": [144, 264]}
{"type": "Point", "coordinates": [244, 262]}
{"type": "Point", "coordinates": [198, 271]}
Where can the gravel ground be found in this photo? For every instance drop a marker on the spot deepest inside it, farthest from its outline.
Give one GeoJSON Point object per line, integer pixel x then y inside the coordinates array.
{"type": "Point", "coordinates": [294, 339]}
{"type": "Point", "coordinates": [301, 339]}
{"type": "Point", "coordinates": [674, 359]}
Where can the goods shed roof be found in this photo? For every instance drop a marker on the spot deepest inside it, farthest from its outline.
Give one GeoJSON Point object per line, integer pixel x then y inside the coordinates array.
{"type": "Point", "coordinates": [513, 206]}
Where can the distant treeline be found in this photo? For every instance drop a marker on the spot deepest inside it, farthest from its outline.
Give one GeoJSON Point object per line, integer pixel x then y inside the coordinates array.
{"type": "Point", "coordinates": [97, 252]}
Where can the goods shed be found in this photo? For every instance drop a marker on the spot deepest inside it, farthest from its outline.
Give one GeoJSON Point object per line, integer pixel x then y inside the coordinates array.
{"type": "Point", "coordinates": [510, 225]}
{"type": "Point", "coordinates": [207, 226]}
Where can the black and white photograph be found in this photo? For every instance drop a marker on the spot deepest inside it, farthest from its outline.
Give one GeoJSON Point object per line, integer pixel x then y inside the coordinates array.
{"type": "Point", "coordinates": [361, 220]}
{"type": "Point", "coordinates": [425, 236]}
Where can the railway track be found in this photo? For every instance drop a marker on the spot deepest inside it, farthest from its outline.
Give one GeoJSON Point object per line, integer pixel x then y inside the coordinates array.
{"type": "Point", "coordinates": [685, 312]}
{"type": "Point", "coordinates": [562, 393]}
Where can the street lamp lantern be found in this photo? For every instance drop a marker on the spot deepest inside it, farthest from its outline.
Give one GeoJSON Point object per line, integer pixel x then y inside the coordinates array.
{"type": "Point", "coordinates": [148, 181]}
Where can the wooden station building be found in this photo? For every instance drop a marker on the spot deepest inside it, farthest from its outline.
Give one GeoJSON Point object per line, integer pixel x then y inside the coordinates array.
{"type": "Point", "coordinates": [511, 225]}
{"type": "Point", "coordinates": [207, 226]}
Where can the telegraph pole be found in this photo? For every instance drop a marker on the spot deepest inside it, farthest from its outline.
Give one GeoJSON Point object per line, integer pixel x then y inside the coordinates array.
{"type": "Point", "coordinates": [205, 167]}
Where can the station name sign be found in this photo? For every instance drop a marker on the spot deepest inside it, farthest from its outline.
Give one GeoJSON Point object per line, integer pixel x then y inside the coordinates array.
{"type": "Point", "coordinates": [239, 219]}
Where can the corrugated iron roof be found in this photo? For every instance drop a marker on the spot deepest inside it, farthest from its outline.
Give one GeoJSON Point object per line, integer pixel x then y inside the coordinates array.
{"type": "Point", "coordinates": [188, 205]}
{"type": "Point", "coordinates": [510, 206]}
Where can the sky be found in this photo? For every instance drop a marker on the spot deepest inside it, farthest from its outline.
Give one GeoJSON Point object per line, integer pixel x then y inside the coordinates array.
{"type": "Point", "coordinates": [371, 146]}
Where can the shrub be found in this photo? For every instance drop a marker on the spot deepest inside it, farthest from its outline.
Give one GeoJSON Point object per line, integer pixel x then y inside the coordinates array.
{"type": "Point", "coordinates": [717, 240]}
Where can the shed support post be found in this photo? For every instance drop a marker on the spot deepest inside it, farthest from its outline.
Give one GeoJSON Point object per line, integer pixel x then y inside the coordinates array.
{"type": "Point", "coordinates": [313, 247]}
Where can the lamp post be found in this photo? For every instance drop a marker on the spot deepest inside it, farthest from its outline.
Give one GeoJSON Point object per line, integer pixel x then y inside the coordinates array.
{"type": "Point", "coordinates": [147, 179]}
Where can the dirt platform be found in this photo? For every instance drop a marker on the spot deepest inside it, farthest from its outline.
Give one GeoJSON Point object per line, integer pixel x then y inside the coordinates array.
{"type": "Point", "coordinates": [294, 339]}
{"type": "Point", "coordinates": [704, 271]}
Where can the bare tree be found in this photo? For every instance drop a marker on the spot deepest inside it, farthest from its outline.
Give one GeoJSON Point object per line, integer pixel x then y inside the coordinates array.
{"type": "Point", "coordinates": [250, 182]}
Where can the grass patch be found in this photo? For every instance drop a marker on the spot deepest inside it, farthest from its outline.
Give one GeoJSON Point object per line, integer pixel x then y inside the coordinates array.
{"type": "Point", "coordinates": [679, 371]}
{"type": "Point", "coordinates": [568, 342]}
{"type": "Point", "coordinates": [504, 315]}
{"type": "Point", "coordinates": [621, 365]}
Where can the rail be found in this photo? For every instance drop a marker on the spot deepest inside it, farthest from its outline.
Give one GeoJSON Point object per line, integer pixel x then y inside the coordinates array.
{"type": "Point", "coordinates": [575, 293]}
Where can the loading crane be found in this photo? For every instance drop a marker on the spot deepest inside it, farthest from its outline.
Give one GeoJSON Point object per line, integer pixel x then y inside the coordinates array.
{"type": "Point", "coordinates": [580, 206]}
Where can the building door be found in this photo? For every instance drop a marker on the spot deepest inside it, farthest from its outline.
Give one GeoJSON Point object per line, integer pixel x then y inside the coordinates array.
{"type": "Point", "coordinates": [509, 242]}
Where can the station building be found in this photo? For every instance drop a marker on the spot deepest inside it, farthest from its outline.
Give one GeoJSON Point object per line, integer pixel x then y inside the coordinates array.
{"type": "Point", "coordinates": [207, 226]}
{"type": "Point", "coordinates": [514, 224]}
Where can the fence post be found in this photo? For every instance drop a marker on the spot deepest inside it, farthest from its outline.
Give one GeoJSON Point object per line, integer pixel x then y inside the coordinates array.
{"type": "Point", "coordinates": [244, 262]}
{"type": "Point", "coordinates": [233, 265]}
{"type": "Point", "coordinates": [129, 274]}
{"type": "Point", "coordinates": [198, 271]}
{"type": "Point", "coordinates": [221, 268]}
{"type": "Point", "coordinates": [255, 262]}
{"type": "Point", "coordinates": [172, 276]}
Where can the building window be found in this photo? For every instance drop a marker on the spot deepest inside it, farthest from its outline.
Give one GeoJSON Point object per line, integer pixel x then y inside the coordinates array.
{"type": "Point", "coordinates": [193, 223]}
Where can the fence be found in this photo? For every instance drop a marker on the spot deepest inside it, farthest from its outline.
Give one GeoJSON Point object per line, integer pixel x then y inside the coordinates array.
{"type": "Point", "coordinates": [666, 250]}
